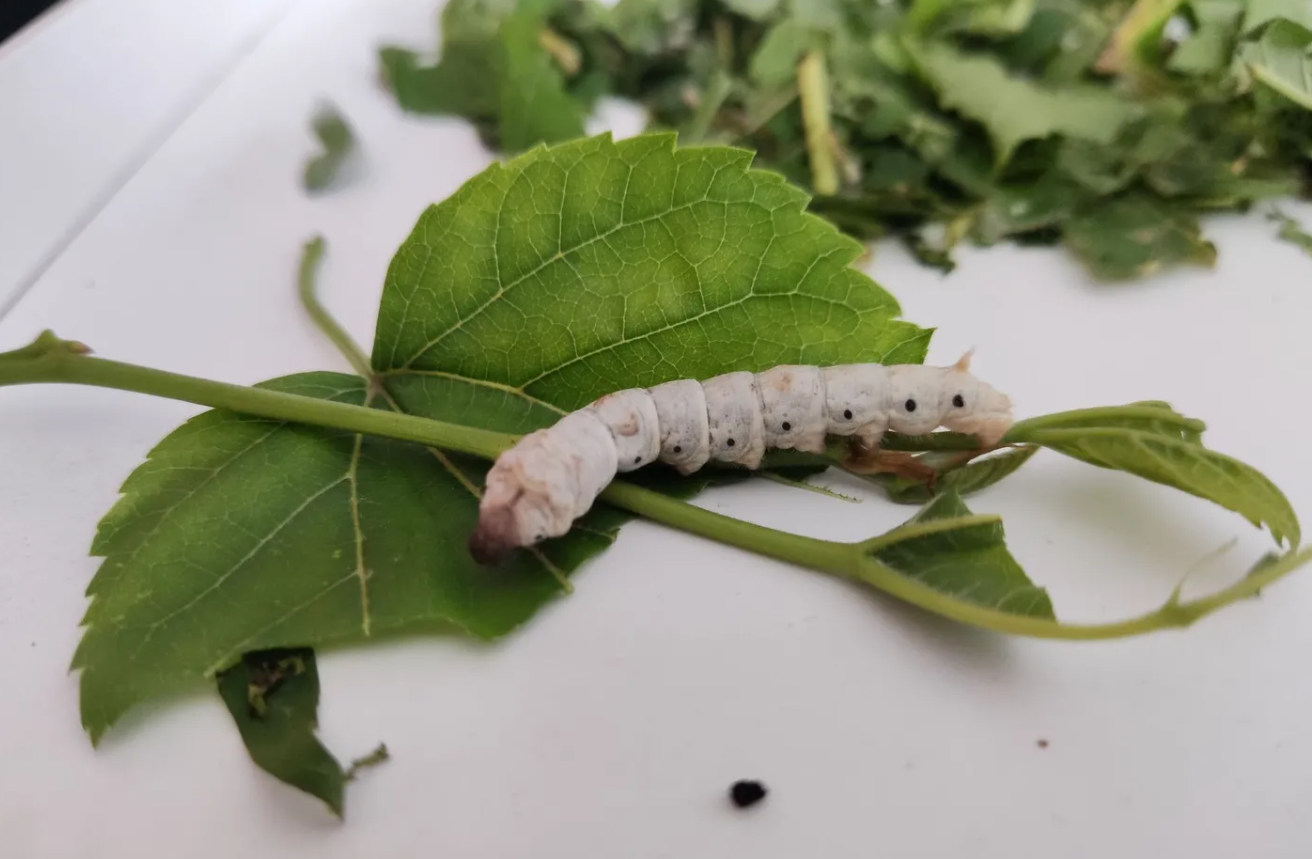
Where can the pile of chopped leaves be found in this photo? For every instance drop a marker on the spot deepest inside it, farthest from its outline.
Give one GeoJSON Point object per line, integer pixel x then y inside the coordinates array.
{"type": "Point", "coordinates": [1106, 127]}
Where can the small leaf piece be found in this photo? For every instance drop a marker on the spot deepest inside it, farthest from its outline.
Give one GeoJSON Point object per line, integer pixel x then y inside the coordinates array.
{"type": "Point", "coordinates": [462, 84]}
{"type": "Point", "coordinates": [1279, 59]}
{"type": "Point", "coordinates": [774, 63]}
{"type": "Point", "coordinates": [757, 10]}
{"type": "Point", "coordinates": [1133, 236]}
{"type": "Point", "coordinates": [534, 107]}
{"type": "Point", "coordinates": [1134, 41]}
{"type": "Point", "coordinates": [338, 140]}
{"type": "Point", "coordinates": [273, 696]}
{"type": "Point", "coordinates": [1015, 110]}
{"type": "Point", "coordinates": [970, 562]}
{"type": "Point", "coordinates": [1291, 231]}
{"type": "Point", "coordinates": [1210, 47]}
{"type": "Point", "coordinates": [494, 71]}
{"type": "Point", "coordinates": [1259, 12]}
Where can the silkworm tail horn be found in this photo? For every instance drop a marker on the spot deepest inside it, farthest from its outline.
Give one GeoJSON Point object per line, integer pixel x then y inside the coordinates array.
{"type": "Point", "coordinates": [493, 539]}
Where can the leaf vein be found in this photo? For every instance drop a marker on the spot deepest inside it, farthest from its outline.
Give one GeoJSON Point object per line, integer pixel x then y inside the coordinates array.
{"type": "Point", "coordinates": [503, 289]}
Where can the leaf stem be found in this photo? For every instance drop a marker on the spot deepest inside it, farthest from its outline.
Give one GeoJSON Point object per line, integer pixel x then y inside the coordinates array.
{"type": "Point", "coordinates": [561, 50]}
{"type": "Point", "coordinates": [813, 90]}
{"type": "Point", "coordinates": [824, 555]}
{"type": "Point", "coordinates": [306, 287]}
{"type": "Point", "coordinates": [855, 561]}
{"type": "Point", "coordinates": [1173, 614]}
{"type": "Point", "coordinates": [52, 360]}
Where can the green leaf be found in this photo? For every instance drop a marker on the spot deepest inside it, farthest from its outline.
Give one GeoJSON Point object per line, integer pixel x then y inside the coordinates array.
{"type": "Point", "coordinates": [635, 263]}
{"type": "Point", "coordinates": [1046, 202]}
{"type": "Point", "coordinates": [757, 10]}
{"type": "Point", "coordinates": [462, 84]}
{"type": "Point", "coordinates": [318, 536]}
{"type": "Point", "coordinates": [273, 696]}
{"type": "Point", "coordinates": [475, 20]}
{"type": "Point", "coordinates": [338, 142]}
{"type": "Point", "coordinates": [541, 284]}
{"type": "Point", "coordinates": [1133, 236]}
{"type": "Point", "coordinates": [1135, 40]}
{"type": "Point", "coordinates": [534, 106]}
{"type": "Point", "coordinates": [1060, 42]}
{"type": "Point", "coordinates": [969, 479]}
{"type": "Point", "coordinates": [1259, 12]}
{"type": "Point", "coordinates": [969, 562]}
{"type": "Point", "coordinates": [774, 63]}
{"type": "Point", "coordinates": [1211, 46]}
{"type": "Point", "coordinates": [993, 18]}
{"type": "Point", "coordinates": [464, 81]}
{"type": "Point", "coordinates": [494, 71]}
{"type": "Point", "coordinates": [650, 27]}
{"type": "Point", "coordinates": [940, 111]}
{"type": "Point", "coordinates": [1150, 416]}
{"type": "Point", "coordinates": [1015, 110]}
{"type": "Point", "coordinates": [1153, 442]}
{"type": "Point", "coordinates": [1291, 231]}
{"type": "Point", "coordinates": [1279, 59]}
{"type": "Point", "coordinates": [825, 15]}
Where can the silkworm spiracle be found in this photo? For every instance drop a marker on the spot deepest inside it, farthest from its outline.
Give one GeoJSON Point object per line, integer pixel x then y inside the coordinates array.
{"type": "Point", "coordinates": [551, 477]}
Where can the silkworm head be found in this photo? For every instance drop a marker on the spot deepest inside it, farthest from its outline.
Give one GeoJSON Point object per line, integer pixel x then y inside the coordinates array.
{"type": "Point", "coordinates": [970, 405]}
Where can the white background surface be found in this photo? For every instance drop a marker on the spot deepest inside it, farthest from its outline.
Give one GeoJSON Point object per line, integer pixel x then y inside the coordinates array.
{"type": "Point", "coordinates": [614, 722]}
{"type": "Point", "coordinates": [89, 91]}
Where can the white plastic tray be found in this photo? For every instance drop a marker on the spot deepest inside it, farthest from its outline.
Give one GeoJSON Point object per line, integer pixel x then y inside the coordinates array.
{"type": "Point", "coordinates": [613, 724]}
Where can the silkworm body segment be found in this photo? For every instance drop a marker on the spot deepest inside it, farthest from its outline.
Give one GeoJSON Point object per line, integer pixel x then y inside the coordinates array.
{"type": "Point", "coordinates": [551, 477]}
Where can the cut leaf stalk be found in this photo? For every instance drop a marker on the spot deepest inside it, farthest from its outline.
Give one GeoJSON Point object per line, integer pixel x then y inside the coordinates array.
{"type": "Point", "coordinates": [813, 90]}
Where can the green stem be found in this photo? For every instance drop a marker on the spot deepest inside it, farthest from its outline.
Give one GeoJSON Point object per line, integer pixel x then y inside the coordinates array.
{"type": "Point", "coordinates": [823, 555]}
{"type": "Point", "coordinates": [52, 360]}
{"type": "Point", "coordinates": [305, 283]}
{"type": "Point", "coordinates": [856, 561]}
{"type": "Point", "coordinates": [1173, 614]}
{"type": "Point", "coordinates": [813, 90]}
{"type": "Point", "coordinates": [926, 529]}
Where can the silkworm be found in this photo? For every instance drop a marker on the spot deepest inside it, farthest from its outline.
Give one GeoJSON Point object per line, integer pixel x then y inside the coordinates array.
{"type": "Point", "coordinates": [549, 478]}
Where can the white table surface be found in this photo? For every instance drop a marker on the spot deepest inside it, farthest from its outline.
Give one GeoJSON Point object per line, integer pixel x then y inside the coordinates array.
{"type": "Point", "coordinates": [614, 722]}
{"type": "Point", "coordinates": [89, 91]}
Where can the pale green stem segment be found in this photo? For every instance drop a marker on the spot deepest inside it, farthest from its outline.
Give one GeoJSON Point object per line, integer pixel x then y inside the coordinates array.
{"type": "Point", "coordinates": [813, 90]}
{"type": "Point", "coordinates": [856, 561]}
{"type": "Point", "coordinates": [52, 360]}
{"type": "Point", "coordinates": [561, 50]}
{"type": "Point", "coordinates": [305, 284]}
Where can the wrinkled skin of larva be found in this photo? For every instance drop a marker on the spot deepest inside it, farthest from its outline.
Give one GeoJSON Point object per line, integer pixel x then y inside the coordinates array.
{"type": "Point", "coordinates": [551, 477]}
